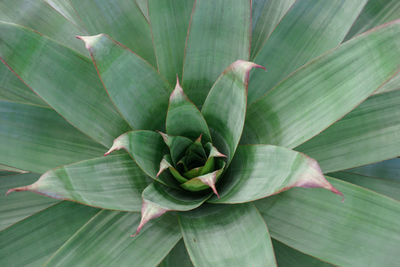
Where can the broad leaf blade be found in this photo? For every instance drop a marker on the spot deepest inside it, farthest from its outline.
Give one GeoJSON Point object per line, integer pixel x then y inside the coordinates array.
{"type": "Point", "coordinates": [210, 232]}
{"type": "Point", "coordinates": [16, 207]}
{"type": "Point", "coordinates": [389, 169]}
{"type": "Point", "coordinates": [135, 87]}
{"type": "Point", "coordinates": [169, 24]}
{"type": "Point", "coordinates": [325, 89]}
{"type": "Point", "coordinates": [122, 20]}
{"type": "Point", "coordinates": [104, 240]}
{"type": "Point", "coordinates": [225, 106]}
{"type": "Point", "coordinates": [265, 17]}
{"type": "Point", "coordinates": [368, 134]}
{"type": "Point", "coordinates": [69, 90]}
{"type": "Point", "coordinates": [113, 182]}
{"type": "Point", "coordinates": [316, 223]}
{"type": "Point", "coordinates": [35, 138]}
{"type": "Point", "coordinates": [32, 241]}
{"type": "Point", "coordinates": [307, 30]}
{"type": "Point", "coordinates": [184, 118]}
{"type": "Point", "coordinates": [259, 171]}
{"type": "Point", "coordinates": [178, 256]}
{"type": "Point", "coordinates": [383, 186]}
{"type": "Point", "coordinates": [219, 33]}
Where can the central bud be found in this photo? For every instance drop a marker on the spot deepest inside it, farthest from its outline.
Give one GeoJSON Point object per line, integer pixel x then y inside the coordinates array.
{"type": "Point", "coordinates": [194, 164]}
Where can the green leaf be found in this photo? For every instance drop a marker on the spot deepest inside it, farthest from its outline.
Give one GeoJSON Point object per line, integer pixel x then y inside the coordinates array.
{"type": "Point", "coordinates": [14, 90]}
{"type": "Point", "coordinates": [177, 146]}
{"type": "Point", "coordinates": [318, 224]}
{"type": "Point", "coordinates": [69, 90]}
{"type": "Point", "coordinates": [147, 148]}
{"type": "Point", "coordinates": [324, 90]}
{"type": "Point", "coordinates": [36, 139]}
{"type": "Point", "coordinates": [389, 169]}
{"type": "Point", "coordinates": [210, 232]}
{"type": "Point", "coordinates": [368, 134]}
{"type": "Point", "coordinates": [30, 242]}
{"type": "Point", "coordinates": [16, 207]}
{"type": "Point", "coordinates": [169, 24]}
{"type": "Point", "coordinates": [158, 199]}
{"type": "Point", "coordinates": [178, 256]}
{"type": "Point", "coordinates": [66, 9]}
{"type": "Point", "coordinates": [259, 171]}
{"type": "Point", "coordinates": [219, 33]}
{"type": "Point", "coordinates": [113, 182]}
{"type": "Point", "coordinates": [104, 241]}
{"type": "Point", "coordinates": [374, 14]}
{"type": "Point", "coordinates": [383, 186]}
{"type": "Point", "coordinates": [143, 6]}
{"type": "Point", "coordinates": [393, 84]}
{"type": "Point", "coordinates": [184, 118]}
{"type": "Point", "coordinates": [144, 98]}
{"type": "Point", "coordinates": [12, 170]}
{"type": "Point", "coordinates": [307, 30]}
{"type": "Point", "coordinates": [266, 15]}
{"type": "Point", "coordinates": [225, 106]}
{"type": "Point", "coordinates": [288, 257]}
{"type": "Point", "coordinates": [42, 17]}
{"type": "Point", "coordinates": [122, 20]}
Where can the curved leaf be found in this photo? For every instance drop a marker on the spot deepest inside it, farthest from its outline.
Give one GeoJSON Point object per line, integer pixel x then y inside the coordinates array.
{"type": "Point", "coordinates": [147, 148]}
{"type": "Point", "coordinates": [113, 182]}
{"type": "Point", "coordinates": [177, 146]}
{"type": "Point", "coordinates": [69, 90]}
{"type": "Point", "coordinates": [323, 91]}
{"type": "Point", "coordinates": [225, 106]}
{"type": "Point", "coordinates": [307, 30]}
{"type": "Point", "coordinates": [169, 24]}
{"type": "Point", "coordinates": [265, 17]}
{"type": "Point", "coordinates": [210, 231]}
{"type": "Point", "coordinates": [184, 118]}
{"type": "Point", "coordinates": [104, 240]}
{"type": "Point", "coordinates": [219, 33]}
{"type": "Point", "coordinates": [392, 85]}
{"type": "Point", "coordinates": [178, 256]}
{"type": "Point", "coordinates": [259, 171]}
{"type": "Point", "coordinates": [32, 241]}
{"type": "Point", "coordinates": [315, 223]}
{"type": "Point", "coordinates": [36, 139]}
{"type": "Point", "coordinates": [122, 20]}
{"type": "Point", "coordinates": [368, 134]}
{"type": "Point", "coordinates": [144, 98]}
{"type": "Point", "coordinates": [16, 207]}
{"type": "Point", "coordinates": [42, 17]}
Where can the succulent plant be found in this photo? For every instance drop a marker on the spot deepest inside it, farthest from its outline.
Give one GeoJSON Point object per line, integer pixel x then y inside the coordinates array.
{"type": "Point", "coordinates": [206, 112]}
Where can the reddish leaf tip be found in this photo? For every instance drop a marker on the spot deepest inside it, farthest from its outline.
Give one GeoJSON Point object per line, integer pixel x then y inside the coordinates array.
{"type": "Point", "coordinates": [17, 189]}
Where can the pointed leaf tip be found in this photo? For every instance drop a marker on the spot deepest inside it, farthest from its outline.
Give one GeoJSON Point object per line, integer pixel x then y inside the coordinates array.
{"type": "Point", "coordinates": [90, 41]}
{"type": "Point", "coordinates": [17, 189]}
{"type": "Point", "coordinates": [117, 145]}
{"type": "Point", "coordinates": [149, 211]}
{"type": "Point", "coordinates": [178, 92]}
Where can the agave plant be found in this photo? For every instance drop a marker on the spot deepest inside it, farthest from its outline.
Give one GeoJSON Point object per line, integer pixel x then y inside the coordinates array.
{"type": "Point", "coordinates": [200, 140]}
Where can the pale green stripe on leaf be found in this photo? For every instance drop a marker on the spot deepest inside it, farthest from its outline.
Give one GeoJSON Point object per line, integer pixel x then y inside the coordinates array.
{"type": "Point", "coordinates": [320, 225]}
{"type": "Point", "coordinates": [383, 186]}
{"type": "Point", "coordinates": [368, 134]}
{"type": "Point", "coordinates": [66, 9]}
{"type": "Point", "coordinates": [36, 139]}
{"type": "Point", "coordinates": [392, 85]}
{"type": "Point", "coordinates": [122, 20]}
{"type": "Point", "coordinates": [105, 241]}
{"type": "Point", "coordinates": [113, 182]}
{"type": "Point", "coordinates": [64, 79]}
{"type": "Point", "coordinates": [323, 91]}
{"type": "Point", "coordinates": [307, 30]}
{"type": "Point", "coordinates": [178, 256]}
{"type": "Point", "coordinates": [32, 241]}
{"type": "Point", "coordinates": [135, 87]}
{"type": "Point", "coordinates": [266, 15]}
{"type": "Point", "coordinates": [16, 207]}
{"type": "Point", "coordinates": [169, 23]}
{"type": "Point", "coordinates": [222, 235]}
{"type": "Point", "coordinates": [259, 171]}
{"type": "Point", "coordinates": [219, 33]}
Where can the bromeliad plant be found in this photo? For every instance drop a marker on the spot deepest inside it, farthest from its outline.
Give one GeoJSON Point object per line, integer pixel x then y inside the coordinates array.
{"type": "Point", "coordinates": [204, 160]}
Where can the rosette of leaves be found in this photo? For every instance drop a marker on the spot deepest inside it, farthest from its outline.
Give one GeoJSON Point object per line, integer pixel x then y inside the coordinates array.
{"type": "Point", "coordinates": [199, 147]}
